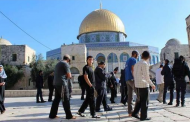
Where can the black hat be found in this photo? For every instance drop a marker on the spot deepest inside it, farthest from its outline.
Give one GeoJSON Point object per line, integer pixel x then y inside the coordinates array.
{"type": "Point", "coordinates": [101, 63]}
{"type": "Point", "coordinates": [116, 69]}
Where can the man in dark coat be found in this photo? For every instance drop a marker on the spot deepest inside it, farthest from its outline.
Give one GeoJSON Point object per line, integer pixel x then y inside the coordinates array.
{"type": "Point", "coordinates": [50, 86]}
{"type": "Point", "coordinates": [168, 82]}
{"type": "Point", "coordinates": [180, 70]}
{"type": "Point", "coordinates": [39, 86]}
{"type": "Point", "coordinates": [113, 85]}
{"type": "Point", "coordinates": [124, 95]}
{"type": "Point", "coordinates": [100, 81]}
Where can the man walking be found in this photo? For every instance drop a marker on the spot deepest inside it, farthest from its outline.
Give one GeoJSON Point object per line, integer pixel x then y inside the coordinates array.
{"type": "Point", "coordinates": [39, 86]}
{"type": "Point", "coordinates": [168, 82]}
{"type": "Point", "coordinates": [160, 83]}
{"type": "Point", "coordinates": [62, 74]}
{"type": "Point", "coordinates": [124, 95]}
{"type": "Point", "coordinates": [90, 80]}
{"type": "Point", "coordinates": [180, 70]}
{"type": "Point", "coordinates": [100, 77]}
{"type": "Point", "coordinates": [142, 83]}
{"type": "Point", "coordinates": [113, 85]}
{"type": "Point", "coordinates": [129, 78]}
{"type": "Point", "coordinates": [50, 86]}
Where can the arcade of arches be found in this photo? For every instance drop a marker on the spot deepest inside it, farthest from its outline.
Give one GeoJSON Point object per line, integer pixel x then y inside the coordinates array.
{"type": "Point", "coordinates": [113, 60]}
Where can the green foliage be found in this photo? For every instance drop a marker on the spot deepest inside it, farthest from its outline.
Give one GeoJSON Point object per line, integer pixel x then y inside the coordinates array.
{"type": "Point", "coordinates": [37, 64]}
{"type": "Point", "coordinates": [49, 67]}
{"type": "Point", "coordinates": [14, 74]}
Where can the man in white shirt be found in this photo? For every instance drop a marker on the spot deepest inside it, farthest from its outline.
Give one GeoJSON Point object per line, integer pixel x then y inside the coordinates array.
{"type": "Point", "coordinates": [142, 83]}
{"type": "Point", "coordinates": [160, 83]}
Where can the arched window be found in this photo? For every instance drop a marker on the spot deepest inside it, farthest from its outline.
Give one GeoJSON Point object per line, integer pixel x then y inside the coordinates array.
{"type": "Point", "coordinates": [100, 57]}
{"type": "Point", "coordinates": [74, 70]}
{"type": "Point", "coordinates": [112, 57]}
{"type": "Point", "coordinates": [150, 60]}
{"type": "Point", "coordinates": [154, 59]}
{"type": "Point", "coordinates": [123, 57]}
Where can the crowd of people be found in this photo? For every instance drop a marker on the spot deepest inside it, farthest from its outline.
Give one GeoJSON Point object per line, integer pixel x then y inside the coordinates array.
{"type": "Point", "coordinates": [135, 78]}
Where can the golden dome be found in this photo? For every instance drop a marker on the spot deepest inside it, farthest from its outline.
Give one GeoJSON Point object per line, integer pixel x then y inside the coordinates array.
{"type": "Point", "coordinates": [101, 20]}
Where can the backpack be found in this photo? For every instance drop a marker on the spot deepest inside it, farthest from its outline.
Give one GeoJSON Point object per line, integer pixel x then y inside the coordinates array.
{"type": "Point", "coordinates": [178, 69]}
{"type": "Point", "coordinates": [110, 79]}
{"type": "Point", "coordinates": [81, 80]}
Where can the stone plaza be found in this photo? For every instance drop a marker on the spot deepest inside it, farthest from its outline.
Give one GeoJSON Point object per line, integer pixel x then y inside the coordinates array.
{"type": "Point", "coordinates": [25, 109]}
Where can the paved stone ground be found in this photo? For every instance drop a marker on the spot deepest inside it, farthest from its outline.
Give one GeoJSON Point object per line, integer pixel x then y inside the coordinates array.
{"type": "Point", "coordinates": [26, 110]}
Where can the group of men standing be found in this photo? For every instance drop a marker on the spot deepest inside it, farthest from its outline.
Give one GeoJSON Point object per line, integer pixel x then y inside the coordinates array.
{"type": "Point", "coordinates": [167, 76]}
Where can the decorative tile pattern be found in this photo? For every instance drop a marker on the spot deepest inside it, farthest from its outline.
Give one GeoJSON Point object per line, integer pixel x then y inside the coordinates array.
{"type": "Point", "coordinates": [102, 37]}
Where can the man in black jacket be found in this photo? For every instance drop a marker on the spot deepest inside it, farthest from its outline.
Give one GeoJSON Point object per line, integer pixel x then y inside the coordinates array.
{"type": "Point", "coordinates": [180, 70]}
{"type": "Point", "coordinates": [113, 85]}
{"type": "Point", "coordinates": [124, 95]}
{"type": "Point", "coordinates": [50, 86]}
{"type": "Point", "coordinates": [100, 81]}
{"type": "Point", "coordinates": [39, 86]}
{"type": "Point", "coordinates": [168, 82]}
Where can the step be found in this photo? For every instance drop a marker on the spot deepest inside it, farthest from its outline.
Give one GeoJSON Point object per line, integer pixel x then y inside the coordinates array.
{"type": "Point", "coordinates": [32, 93]}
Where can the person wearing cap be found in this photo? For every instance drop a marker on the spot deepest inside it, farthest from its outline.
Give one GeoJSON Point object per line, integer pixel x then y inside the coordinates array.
{"type": "Point", "coordinates": [3, 76]}
{"type": "Point", "coordinates": [100, 81]}
{"type": "Point", "coordinates": [168, 82]}
{"type": "Point", "coordinates": [61, 76]}
{"type": "Point", "coordinates": [129, 78]}
{"type": "Point", "coordinates": [113, 86]}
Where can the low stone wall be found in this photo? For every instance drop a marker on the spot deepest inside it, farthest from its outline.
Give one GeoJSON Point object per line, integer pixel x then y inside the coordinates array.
{"type": "Point", "coordinates": [32, 93]}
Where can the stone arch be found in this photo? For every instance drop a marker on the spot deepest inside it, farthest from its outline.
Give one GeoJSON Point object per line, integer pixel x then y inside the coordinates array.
{"type": "Point", "coordinates": [100, 57]}
{"type": "Point", "coordinates": [124, 56]}
{"type": "Point", "coordinates": [74, 70]}
{"type": "Point", "coordinates": [157, 58]}
{"type": "Point", "coordinates": [150, 60]}
{"type": "Point", "coordinates": [154, 59]}
{"type": "Point", "coordinates": [112, 57]}
{"type": "Point", "coordinates": [112, 61]}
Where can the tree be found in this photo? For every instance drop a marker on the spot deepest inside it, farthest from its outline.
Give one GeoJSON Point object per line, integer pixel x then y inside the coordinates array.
{"type": "Point", "coordinates": [37, 64]}
{"type": "Point", "coordinates": [14, 74]}
{"type": "Point", "coordinates": [49, 67]}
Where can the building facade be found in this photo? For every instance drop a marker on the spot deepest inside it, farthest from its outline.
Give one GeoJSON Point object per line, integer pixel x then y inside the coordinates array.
{"type": "Point", "coordinates": [173, 49]}
{"type": "Point", "coordinates": [102, 35]}
{"type": "Point", "coordinates": [21, 55]}
{"type": "Point", "coordinates": [15, 54]}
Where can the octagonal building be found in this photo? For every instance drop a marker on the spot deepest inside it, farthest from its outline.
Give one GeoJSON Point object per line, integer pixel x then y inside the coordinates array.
{"type": "Point", "coordinates": [102, 35]}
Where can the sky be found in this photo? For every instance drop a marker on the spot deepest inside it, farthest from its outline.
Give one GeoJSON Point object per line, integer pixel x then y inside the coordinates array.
{"type": "Point", "coordinates": [55, 22]}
